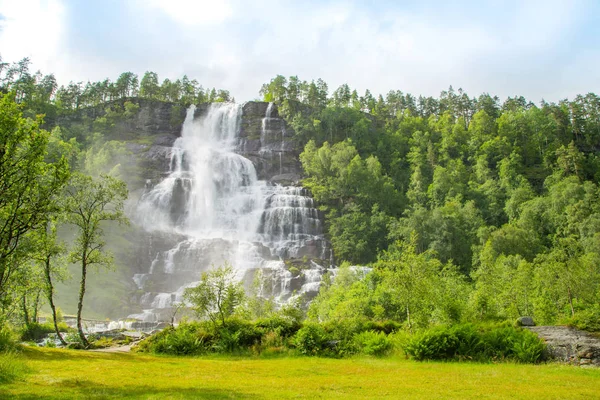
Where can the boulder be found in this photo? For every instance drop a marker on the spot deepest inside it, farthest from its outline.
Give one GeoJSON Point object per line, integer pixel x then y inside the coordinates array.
{"type": "Point", "coordinates": [525, 321]}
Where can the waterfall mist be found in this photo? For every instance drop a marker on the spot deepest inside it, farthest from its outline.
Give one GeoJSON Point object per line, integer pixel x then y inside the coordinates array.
{"type": "Point", "coordinates": [211, 208]}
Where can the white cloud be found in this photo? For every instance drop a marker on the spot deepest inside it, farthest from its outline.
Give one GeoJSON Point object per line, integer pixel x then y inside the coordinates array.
{"type": "Point", "coordinates": [504, 48]}
{"type": "Point", "coordinates": [194, 12]}
{"type": "Point", "coordinates": [34, 29]}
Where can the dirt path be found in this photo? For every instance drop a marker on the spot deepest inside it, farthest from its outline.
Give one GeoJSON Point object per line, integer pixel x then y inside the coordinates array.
{"type": "Point", "coordinates": [118, 349]}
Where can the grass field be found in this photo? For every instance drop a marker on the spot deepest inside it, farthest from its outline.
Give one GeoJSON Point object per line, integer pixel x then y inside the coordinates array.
{"type": "Point", "coordinates": [57, 374]}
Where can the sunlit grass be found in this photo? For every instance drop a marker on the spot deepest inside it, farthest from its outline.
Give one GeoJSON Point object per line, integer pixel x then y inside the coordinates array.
{"type": "Point", "coordinates": [77, 374]}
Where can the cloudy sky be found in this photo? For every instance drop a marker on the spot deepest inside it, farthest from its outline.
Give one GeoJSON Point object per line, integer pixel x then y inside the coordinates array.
{"type": "Point", "coordinates": [546, 49]}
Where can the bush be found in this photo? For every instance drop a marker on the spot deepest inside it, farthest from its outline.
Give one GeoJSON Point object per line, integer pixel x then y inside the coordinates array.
{"type": "Point", "coordinates": [496, 342]}
{"type": "Point", "coordinates": [373, 343]}
{"type": "Point", "coordinates": [35, 331]}
{"type": "Point", "coordinates": [8, 340]}
{"type": "Point", "coordinates": [386, 327]}
{"type": "Point", "coordinates": [186, 339]}
{"type": "Point", "coordinates": [311, 340]}
{"type": "Point", "coordinates": [587, 320]}
{"type": "Point", "coordinates": [438, 344]}
{"type": "Point", "coordinates": [239, 334]}
{"type": "Point", "coordinates": [528, 348]}
{"type": "Point", "coordinates": [286, 327]}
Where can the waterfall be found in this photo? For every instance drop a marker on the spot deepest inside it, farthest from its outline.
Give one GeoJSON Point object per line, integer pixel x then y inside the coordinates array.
{"type": "Point", "coordinates": [211, 208]}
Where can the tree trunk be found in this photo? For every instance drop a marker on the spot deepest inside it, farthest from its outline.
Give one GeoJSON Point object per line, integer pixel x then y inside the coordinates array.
{"type": "Point", "coordinates": [571, 301]}
{"type": "Point", "coordinates": [50, 295]}
{"type": "Point", "coordinates": [25, 312]}
{"type": "Point", "coordinates": [36, 305]}
{"type": "Point", "coordinates": [80, 303]}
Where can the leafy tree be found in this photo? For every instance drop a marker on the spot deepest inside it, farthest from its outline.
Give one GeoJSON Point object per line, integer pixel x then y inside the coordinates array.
{"type": "Point", "coordinates": [48, 255]}
{"type": "Point", "coordinates": [276, 90]}
{"type": "Point", "coordinates": [149, 86]}
{"type": "Point", "coordinates": [217, 295]}
{"type": "Point", "coordinates": [88, 204]}
{"type": "Point", "coordinates": [28, 184]}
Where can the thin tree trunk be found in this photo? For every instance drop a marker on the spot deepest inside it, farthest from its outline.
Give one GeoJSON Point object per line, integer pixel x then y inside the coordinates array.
{"type": "Point", "coordinates": [80, 303]}
{"type": "Point", "coordinates": [25, 312]}
{"type": "Point", "coordinates": [50, 295]}
{"type": "Point", "coordinates": [571, 301]}
{"type": "Point", "coordinates": [36, 305]}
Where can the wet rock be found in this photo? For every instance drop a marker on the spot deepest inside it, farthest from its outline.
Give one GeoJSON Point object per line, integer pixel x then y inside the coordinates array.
{"type": "Point", "coordinates": [290, 179]}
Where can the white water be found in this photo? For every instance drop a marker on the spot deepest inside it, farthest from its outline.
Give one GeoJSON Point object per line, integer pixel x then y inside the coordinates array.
{"type": "Point", "coordinates": [213, 209]}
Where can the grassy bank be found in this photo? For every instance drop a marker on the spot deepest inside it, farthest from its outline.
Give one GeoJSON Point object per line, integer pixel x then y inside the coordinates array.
{"type": "Point", "coordinates": [76, 374]}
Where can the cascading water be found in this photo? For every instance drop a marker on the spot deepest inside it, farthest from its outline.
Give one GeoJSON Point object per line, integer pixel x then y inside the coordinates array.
{"type": "Point", "coordinates": [211, 208]}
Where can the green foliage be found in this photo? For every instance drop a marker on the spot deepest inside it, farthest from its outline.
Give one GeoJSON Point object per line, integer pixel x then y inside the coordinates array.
{"type": "Point", "coordinates": [373, 343]}
{"type": "Point", "coordinates": [528, 347]}
{"type": "Point", "coordinates": [8, 340]}
{"type": "Point", "coordinates": [186, 339]}
{"type": "Point", "coordinates": [217, 295]}
{"type": "Point", "coordinates": [194, 338]}
{"type": "Point", "coordinates": [88, 204]}
{"type": "Point", "coordinates": [29, 187]}
{"type": "Point", "coordinates": [311, 339]}
{"type": "Point", "coordinates": [35, 331]}
{"type": "Point", "coordinates": [481, 343]}
{"type": "Point", "coordinates": [587, 319]}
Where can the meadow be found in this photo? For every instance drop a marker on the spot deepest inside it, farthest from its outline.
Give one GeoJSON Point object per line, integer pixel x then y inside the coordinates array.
{"type": "Point", "coordinates": [72, 374]}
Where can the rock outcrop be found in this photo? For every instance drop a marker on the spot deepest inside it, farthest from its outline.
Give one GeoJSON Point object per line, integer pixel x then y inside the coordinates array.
{"type": "Point", "coordinates": [570, 345]}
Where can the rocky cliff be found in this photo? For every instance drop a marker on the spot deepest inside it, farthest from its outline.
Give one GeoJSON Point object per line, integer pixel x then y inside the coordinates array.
{"type": "Point", "coordinates": [159, 262]}
{"type": "Point", "coordinates": [266, 141]}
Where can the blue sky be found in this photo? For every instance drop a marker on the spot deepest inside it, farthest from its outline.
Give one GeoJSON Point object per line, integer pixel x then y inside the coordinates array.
{"type": "Point", "coordinates": [540, 49]}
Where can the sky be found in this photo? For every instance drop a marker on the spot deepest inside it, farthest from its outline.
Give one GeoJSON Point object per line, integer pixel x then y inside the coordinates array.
{"type": "Point", "coordinates": [540, 49]}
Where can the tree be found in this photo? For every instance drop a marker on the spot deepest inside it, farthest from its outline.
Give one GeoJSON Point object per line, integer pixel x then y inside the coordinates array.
{"type": "Point", "coordinates": [149, 86]}
{"type": "Point", "coordinates": [28, 187]}
{"type": "Point", "coordinates": [49, 250]}
{"type": "Point", "coordinates": [217, 295]}
{"type": "Point", "coordinates": [274, 91]}
{"type": "Point", "coordinates": [88, 204]}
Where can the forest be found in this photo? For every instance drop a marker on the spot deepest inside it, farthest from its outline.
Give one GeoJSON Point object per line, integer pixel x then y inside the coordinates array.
{"type": "Point", "coordinates": [466, 210]}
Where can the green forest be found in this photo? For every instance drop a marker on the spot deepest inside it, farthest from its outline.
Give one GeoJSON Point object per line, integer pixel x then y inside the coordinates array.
{"type": "Point", "coordinates": [466, 210]}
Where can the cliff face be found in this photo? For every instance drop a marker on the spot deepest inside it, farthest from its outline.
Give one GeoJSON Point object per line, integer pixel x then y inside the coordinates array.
{"type": "Point", "coordinates": [266, 141]}
{"type": "Point", "coordinates": [159, 262]}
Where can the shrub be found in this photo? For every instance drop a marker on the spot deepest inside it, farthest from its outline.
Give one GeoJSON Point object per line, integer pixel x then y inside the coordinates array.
{"type": "Point", "coordinates": [8, 340]}
{"type": "Point", "coordinates": [186, 339]}
{"type": "Point", "coordinates": [386, 327]}
{"type": "Point", "coordinates": [495, 342]}
{"type": "Point", "coordinates": [470, 344]}
{"type": "Point", "coordinates": [286, 327]}
{"type": "Point", "coordinates": [272, 339]}
{"type": "Point", "coordinates": [498, 342]}
{"type": "Point", "coordinates": [35, 331]}
{"type": "Point", "coordinates": [587, 320]}
{"type": "Point", "coordinates": [437, 344]}
{"type": "Point", "coordinates": [311, 339]}
{"type": "Point", "coordinates": [373, 343]}
{"type": "Point", "coordinates": [528, 347]}
{"type": "Point", "coordinates": [246, 333]}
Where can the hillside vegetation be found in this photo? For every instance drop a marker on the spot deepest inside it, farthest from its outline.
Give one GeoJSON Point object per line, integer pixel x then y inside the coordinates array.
{"type": "Point", "coordinates": [465, 209]}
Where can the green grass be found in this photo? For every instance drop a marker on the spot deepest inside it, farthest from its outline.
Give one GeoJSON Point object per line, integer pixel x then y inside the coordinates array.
{"type": "Point", "coordinates": [57, 374]}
